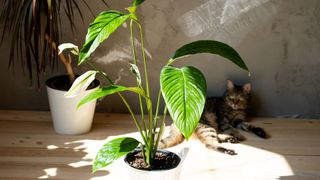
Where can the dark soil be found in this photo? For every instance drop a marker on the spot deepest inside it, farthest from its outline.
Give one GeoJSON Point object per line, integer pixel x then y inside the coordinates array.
{"type": "Point", "coordinates": [63, 83]}
{"type": "Point", "coordinates": [164, 160]}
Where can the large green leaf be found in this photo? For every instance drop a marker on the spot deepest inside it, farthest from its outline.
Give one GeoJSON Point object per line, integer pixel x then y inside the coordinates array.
{"type": "Point", "coordinates": [101, 92]}
{"type": "Point", "coordinates": [209, 46]}
{"type": "Point", "coordinates": [184, 91]}
{"type": "Point", "coordinates": [101, 28]}
{"type": "Point", "coordinates": [113, 150]}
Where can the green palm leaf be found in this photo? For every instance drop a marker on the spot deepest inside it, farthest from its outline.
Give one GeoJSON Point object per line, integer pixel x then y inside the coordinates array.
{"type": "Point", "coordinates": [184, 91]}
{"type": "Point", "coordinates": [101, 28]}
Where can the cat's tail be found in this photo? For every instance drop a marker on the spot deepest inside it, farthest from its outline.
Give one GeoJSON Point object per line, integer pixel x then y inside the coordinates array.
{"type": "Point", "coordinates": [174, 138]}
{"type": "Point", "coordinates": [209, 137]}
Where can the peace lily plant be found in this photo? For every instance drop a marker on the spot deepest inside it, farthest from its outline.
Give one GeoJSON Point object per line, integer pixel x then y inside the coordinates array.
{"type": "Point", "coordinates": [183, 89]}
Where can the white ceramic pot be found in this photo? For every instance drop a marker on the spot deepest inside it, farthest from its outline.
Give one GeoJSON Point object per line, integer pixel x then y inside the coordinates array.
{"type": "Point", "coordinates": [67, 119]}
{"type": "Point", "coordinates": [131, 173]}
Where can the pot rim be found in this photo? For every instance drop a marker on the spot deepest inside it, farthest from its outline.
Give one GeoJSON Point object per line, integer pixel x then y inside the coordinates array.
{"type": "Point", "coordinates": [96, 83]}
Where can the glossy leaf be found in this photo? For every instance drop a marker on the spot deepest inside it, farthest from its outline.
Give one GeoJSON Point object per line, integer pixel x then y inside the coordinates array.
{"type": "Point", "coordinates": [68, 46]}
{"type": "Point", "coordinates": [105, 91]}
{"type": "Point", "coordinates": [184, 91]}
{"type": "Point", "coordinates": [81, 84]}
{"type": "Point", "coordinates": [101, 28]}
{"type": "Point", "coordinates": [113, 150]}
{"type": "Point", "coordinates": [209, 46]}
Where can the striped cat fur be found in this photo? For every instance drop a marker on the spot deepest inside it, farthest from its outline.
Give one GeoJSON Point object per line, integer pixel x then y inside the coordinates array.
{"type": "Point", "coordinates": [221, 121]}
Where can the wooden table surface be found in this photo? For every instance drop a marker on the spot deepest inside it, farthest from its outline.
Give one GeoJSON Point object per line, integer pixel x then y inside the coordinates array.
{"type": "Point", "coordinates": [30, 149]}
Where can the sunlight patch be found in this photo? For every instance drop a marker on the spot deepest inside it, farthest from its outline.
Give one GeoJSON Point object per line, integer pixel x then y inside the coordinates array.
{"type": "Point", "coordinates": [52, 147]}
{"type": "Point", "coordinates": [80, 164]}
{"type": "Point", "coordinates": [230, 20]}
{"type": "Point", "coordinates": [250, 163]}
{"type": "Point", "coordinates": [50, 172]}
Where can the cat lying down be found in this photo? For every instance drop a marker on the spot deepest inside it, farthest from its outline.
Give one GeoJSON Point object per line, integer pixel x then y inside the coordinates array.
{"type": "Point", "coordinates": [220, 121]}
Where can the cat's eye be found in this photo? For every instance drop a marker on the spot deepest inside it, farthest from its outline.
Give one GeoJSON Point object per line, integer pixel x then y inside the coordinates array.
{"type": "Point", "coordinates": [235, 100]}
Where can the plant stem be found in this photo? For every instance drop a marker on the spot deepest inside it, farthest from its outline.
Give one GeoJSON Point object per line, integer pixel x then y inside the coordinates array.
{"type": "Point", "coordinates": [161, 126]}
{"type": "Point", "coordinates": [104, 75]}
{"type": "Point", "coordinates": [124, 101]}
{"type": "Point", "coordinates": [136, 63]}
{"type": "Point", "coordinates": [157, 110]}
{"type": "Point", "coordinates": [134, 51]}
{"type": "Point", "coordinates": [67, 62]}
{"type": "Point", "coordinates": [143, 152]}
{"type": "Point", "coordinates": [134, 119]}
{"type": "Point", "coordinates": [150, 153]}
{"type": "Point", "coordinates": [144, 59]}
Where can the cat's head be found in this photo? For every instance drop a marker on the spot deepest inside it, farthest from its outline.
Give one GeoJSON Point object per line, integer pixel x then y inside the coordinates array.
{"type": "Point", "coordinates": [237, 97]}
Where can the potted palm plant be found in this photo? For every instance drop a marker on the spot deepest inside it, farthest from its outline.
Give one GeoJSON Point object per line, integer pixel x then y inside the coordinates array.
{"type": "Point", "coordinates": [34, 28]}
{"type": "Point", "coordinates": [182, 89]}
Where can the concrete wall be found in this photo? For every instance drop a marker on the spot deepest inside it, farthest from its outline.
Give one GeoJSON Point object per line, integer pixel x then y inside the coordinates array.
{"type": "Point", "coordinates": [278, 39]}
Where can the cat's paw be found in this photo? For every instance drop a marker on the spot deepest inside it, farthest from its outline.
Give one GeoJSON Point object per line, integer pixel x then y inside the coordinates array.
{"type": "Point", "coordinates": [226, 151]}
{"type": "Point", "coordinates": [226, 138]}
{"type": "Point", "coordinates": [232, 140]}
{"type": "Point", "coordinates": [260, 132]}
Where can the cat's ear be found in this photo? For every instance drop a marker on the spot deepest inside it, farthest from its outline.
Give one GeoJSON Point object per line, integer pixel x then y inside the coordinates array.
{"type": "Point", "coordinates": [230, 85]}
{"type": "Point", "coordinates": [247, 88]}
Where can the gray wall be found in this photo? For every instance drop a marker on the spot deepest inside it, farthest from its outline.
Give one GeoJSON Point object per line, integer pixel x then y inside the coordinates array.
{"type": "Point", "coordinates": [278, 39]}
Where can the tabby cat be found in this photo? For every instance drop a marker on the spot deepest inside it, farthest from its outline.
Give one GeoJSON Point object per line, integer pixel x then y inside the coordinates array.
{"type": "Point", "coordinates": [221, 118]}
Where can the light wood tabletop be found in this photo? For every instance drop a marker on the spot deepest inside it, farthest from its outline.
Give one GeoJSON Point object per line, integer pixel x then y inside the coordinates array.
{"type": "Point", "coordinates": [30, 149]}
